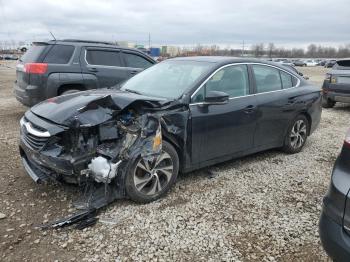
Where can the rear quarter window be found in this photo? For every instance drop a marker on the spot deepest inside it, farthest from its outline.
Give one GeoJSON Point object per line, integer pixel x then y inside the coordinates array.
{"type": "Point", "coordinates": [287, 80]}
{"type": "Point", "coordinates": [136, 61]}
{"type": "Point", "coordinates": [33, 53]}
{"type": "Point", "coordinates": [59, 54]}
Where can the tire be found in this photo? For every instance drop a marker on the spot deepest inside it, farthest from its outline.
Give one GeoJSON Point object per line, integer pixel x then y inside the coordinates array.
{"type": "Point", "coordinates": [146, 186]}
{"type": "Point", "coordinates": [296, 135]}
{"type": "Point", "coordinates": [327, 103]}
{"type": "Point", "coordinates": [69, 91]}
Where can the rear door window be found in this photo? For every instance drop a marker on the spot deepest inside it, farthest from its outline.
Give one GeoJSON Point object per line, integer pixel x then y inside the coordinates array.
{"type": "Point", "coordinates": [103, 57]}
{"type": "Point", "coordinates": [59, 54]}
{"type": "Point", "coordinates": [33, 53]}
{"type": "Point", "coordinates": [136, 61]}
{"type": "Point", "coordinates": [267, 78]}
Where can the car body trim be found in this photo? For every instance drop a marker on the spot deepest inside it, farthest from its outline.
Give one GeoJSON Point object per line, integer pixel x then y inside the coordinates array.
{"type": "Point", "coordinates": [32, 130]}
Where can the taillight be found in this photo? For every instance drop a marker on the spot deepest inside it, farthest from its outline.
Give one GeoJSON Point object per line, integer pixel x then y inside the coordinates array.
{"type": "Point", "coordinates": [35, 68]}
{"type": "Point", "coordinates": [333, 80]}
{"type": "Point", "coordinates": [347, 139]}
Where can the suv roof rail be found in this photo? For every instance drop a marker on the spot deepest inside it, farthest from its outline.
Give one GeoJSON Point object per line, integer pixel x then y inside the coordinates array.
{"type": "Point", "coordinates": [89, 41]}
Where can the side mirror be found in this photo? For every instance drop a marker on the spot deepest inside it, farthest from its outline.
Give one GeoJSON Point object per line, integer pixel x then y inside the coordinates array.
{"type": "Point", "coordinates": [216, 97]}
{"type": "Point", "coordinates": [300, 73]}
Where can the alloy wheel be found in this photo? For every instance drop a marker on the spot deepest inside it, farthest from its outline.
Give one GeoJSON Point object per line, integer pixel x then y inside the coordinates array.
{"type": "Point", "coordinates": [151, 177]}
{"type": "Point", "coordinates": [298, 134]}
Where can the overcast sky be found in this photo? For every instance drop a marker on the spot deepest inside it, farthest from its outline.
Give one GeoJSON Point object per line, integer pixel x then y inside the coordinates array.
{"type": "Point", "coordinates": [297, 22]}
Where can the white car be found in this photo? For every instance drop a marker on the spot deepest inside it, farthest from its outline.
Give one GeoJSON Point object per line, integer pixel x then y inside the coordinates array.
{"type": "Point", "coordinates": [310, 63]}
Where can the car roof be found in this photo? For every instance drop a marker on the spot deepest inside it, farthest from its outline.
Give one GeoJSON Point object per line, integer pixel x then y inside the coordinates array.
{"type": "Point", "coordinates": [78, 42]}
{"type": "Point", "coordinates": [223, 60]}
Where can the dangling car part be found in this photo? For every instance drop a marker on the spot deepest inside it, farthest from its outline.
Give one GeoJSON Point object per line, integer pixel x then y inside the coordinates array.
{"type": "Point", "coordinates": [177, 116]}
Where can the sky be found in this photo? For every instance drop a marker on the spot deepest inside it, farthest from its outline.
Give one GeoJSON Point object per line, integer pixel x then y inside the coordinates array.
{"type": "Point", "coordinates": [182, 22]}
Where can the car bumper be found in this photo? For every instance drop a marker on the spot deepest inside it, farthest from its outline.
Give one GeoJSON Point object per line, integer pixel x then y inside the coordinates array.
{"type": "Point", "coordinates": [337, 96]}
{"type": "Point", "coordinates": [335, 240]}
{"type": "Point", "coordinates": [28, 96]}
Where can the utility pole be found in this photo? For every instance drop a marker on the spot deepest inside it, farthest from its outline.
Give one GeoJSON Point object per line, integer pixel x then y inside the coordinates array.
{"type": "Point", "coordinates": [243, 48]}
{"type": "Point", "coordinates": [149, 40]}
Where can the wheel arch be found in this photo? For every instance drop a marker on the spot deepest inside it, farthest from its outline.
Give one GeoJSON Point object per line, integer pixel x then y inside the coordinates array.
{"type": "Point", "coordinates": [309, 119]}
{"type": "Point", "coordinates": [66, 87]}
{"type": "Point", "coordinates": [176, 146]}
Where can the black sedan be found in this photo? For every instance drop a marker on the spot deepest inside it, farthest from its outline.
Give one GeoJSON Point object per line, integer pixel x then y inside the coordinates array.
{"type": "Point", "coordinates": [335, 217]}
{"type": "Point", "coordinates": [177, 116]}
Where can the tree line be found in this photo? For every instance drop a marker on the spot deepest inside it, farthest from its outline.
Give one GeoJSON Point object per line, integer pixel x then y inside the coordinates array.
{"type": "Point", "coordinates": [312, 51]}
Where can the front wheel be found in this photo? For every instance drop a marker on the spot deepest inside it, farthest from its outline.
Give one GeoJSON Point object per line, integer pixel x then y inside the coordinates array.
{"type": "Point", "coordinates": [147, 181]}
{"type": "Point", "coordinates": [296, 135]}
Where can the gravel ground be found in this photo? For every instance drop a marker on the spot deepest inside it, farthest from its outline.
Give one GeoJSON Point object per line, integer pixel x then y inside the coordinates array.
{"type": "Point", "coordinates": [264, 207]}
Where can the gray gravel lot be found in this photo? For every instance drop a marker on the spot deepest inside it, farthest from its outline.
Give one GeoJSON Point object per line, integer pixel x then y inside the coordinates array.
{"type": "Point", "coordinates": [264, 207]}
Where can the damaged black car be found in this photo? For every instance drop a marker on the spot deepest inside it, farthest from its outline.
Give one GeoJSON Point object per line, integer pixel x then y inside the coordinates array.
{"type": "Point", "coordinates": [180, 115]}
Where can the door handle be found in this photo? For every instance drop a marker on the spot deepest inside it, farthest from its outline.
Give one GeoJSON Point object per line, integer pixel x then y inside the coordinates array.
{"type": "Point", "coordinates": [291, 101]}
{"type": "Point", "coordinates": [249, 109]}
{"type": "Point", "coordinates": [134, 72]}
{"type": "Point", "coordinates": [93, 69]}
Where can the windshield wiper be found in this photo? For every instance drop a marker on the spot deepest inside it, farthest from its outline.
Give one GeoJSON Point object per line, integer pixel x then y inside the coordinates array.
{"type": "Point", "coordinates": [132, 91]}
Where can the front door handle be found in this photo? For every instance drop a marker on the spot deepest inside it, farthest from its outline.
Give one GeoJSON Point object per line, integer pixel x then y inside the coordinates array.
{"type": "Point", "coordinates": [249, 109]}
{"type": "Point", "coordinates": [134, 72]}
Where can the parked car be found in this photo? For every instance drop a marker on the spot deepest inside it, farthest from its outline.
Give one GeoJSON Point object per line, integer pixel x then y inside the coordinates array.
{"type": "Point", "coordinates": [206, 110]}
{"type": "Point", "coordinates": [336, 86]}
{"type": "Point", "coordinates": [10, 57]}
{"type": "Point", "coordinates": [335, 217]}
{"type": "Point", "coordinates": [310, 63]}
{"type": "Point", "coordinates": [299, 63]}
{"type": "Point", "coordinates": [283, 61]}
{"type": "Point", "coordinates": [323, 62]}
{"type": "Point", "coordinates": [330, 63]}
{"type": "Point", "coordinates": [54, 68]}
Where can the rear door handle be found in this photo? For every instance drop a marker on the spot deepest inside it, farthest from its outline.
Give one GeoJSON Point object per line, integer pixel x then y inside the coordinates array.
{"type": "Point", "coordinates": [134, 72]}
{"type": "Point", "coordinates": [93, 69]}
{"type": "Point", "coordinates": [291, 101]}
{"type": "Point", "coordinates": [249, 109]}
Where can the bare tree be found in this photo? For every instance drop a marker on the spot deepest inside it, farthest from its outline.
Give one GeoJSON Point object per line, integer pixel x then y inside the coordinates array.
{"type": "Point", "coordinates": [270, 49]}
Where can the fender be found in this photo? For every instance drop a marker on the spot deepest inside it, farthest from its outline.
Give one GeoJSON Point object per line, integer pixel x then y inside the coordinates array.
{"type": "Point", "coordinates": [90, 81]}
{"type": "Point", "coordinates": [56, 80]}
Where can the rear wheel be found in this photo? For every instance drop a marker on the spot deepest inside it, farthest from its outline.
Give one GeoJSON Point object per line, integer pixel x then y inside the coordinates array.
{"type": "Point", "coordinates": [296, 135]}
{"type": "Point", "coordinates": [147, 181]}
{"type": "Point", "coordinates": [327, 103]}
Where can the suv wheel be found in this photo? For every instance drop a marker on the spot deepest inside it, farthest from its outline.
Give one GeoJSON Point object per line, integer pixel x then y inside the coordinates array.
{"type": "Point", "coordinates": [296, 135]}
{"type": "Point", "coordinates": [147, 181]}
{"type": "Point", "coordinates": [327, 103]}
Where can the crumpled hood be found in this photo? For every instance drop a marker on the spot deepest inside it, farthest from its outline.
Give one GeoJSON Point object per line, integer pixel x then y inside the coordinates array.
{"type": "Point", "coordinates": [89, 107]}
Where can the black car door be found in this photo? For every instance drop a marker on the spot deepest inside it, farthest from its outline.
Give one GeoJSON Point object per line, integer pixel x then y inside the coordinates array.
{"type": "Point", "coordinates": [105, 64]}
{"type": "Point", "coordinates": [223, 129]}
{"type": "Point", "coordinates": [277, 104]}
{"type": "Point", "coordinates": [135, 62]}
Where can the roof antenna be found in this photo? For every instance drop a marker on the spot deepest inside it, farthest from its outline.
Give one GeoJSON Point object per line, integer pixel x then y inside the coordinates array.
{"type": "Point", "coordinates": [52, 35]}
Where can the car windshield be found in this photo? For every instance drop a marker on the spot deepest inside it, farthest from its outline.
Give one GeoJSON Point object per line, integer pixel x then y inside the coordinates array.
{"type": "Point", "coordinates": [169, 79]}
